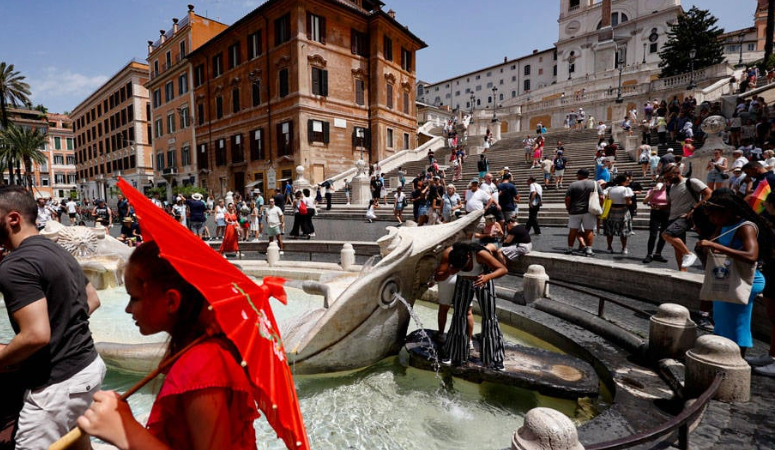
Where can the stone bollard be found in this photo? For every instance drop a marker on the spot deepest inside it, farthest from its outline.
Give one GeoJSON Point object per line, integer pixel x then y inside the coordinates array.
{"type": "Point", "coordinates": [546, 429]}
{"type": "Point", "coordinates": [712, 354]}
{"type": "Point", "coordinates": [272, 254]}
{"type": "Point", "coordinates": [671, 332]}
{"type": "Point", "coordinates": [534, 285]}
{"type": "Point", "coordinates": [347, 256]}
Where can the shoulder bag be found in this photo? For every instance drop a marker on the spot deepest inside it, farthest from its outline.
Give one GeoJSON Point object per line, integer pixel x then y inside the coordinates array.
{"type": "Point", "coordinates": [594, 207]}
{"type": "Point", "coordinates": [727, 279]}
{"type": "Point", "coordinates": [607, 203]}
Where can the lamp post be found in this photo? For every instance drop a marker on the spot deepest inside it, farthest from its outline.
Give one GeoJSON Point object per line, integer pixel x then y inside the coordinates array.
{"type": "Point", "coordinates": [644, 53]}
{"type": "Point", "coordinates": [740, 39]}
{"type": "Point", "coordinates": [494, 103]}
{"type": "Point", "coordinates": [473, 99]}
{"type": "Point", "coordinates": [692, 54]}
{"type": "Point", "coordinates": [571, 68]}
{"type": "Point", "coordinates": [620, 66]}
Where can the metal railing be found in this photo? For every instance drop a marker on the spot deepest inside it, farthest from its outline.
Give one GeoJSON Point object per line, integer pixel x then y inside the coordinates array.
{"type": "Point", "coordinates": [602, 300]}
{"type": "Point", "coordinates": [681, 422]}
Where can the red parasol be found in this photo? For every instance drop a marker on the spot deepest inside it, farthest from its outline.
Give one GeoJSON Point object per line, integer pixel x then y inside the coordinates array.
{"type": "Point", "coordinates": [241, 308]}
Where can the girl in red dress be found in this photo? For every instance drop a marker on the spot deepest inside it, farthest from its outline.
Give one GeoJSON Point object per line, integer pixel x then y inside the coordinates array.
{"type": "Point", "coordinates": [231, 234]}
{"type": "Point", "coordinates": [206, 400]}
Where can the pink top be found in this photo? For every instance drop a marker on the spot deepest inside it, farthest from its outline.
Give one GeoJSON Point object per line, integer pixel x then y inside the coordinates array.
{"type": "Point", "coordinates": [658, 198]}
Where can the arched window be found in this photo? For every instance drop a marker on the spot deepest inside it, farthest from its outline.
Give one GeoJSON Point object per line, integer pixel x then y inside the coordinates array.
{"type": "Point", "coordinates": [513, 94]}
{"type": "Point", "coordinates": [617, 18]}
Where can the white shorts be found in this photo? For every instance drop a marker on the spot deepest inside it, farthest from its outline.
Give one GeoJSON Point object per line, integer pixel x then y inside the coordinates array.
{"type": "Point", "coordinates": [512, 252]}
{"type": "Point", "coordinates": [559, 172]}
{"type": "Point", "coordinates": [587, 220]}
{"type": "Point", "coordinates": [447, 290]}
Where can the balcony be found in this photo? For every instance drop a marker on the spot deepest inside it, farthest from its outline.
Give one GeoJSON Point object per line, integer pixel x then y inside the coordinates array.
{"type": "Point", "coordinates": [169, 171]}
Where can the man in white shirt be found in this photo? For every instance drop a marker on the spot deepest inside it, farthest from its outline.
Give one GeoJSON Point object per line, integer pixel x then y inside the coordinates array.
{"type": "Point", "coordinates": [477, 199]}
{"type": "Point", "coordinates": [72, 210]}
{"type": "Point", "coordinates": [740, 160]}
{"type": "Point", "coordinates": [45, 213]}
{"type": "Point", "coordinates": [275, 223]}
{"type": "Point", "coordinates": [534, 205]}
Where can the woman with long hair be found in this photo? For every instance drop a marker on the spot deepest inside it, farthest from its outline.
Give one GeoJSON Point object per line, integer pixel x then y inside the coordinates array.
{"type": "Point", "coordinates": [231, 232]}
{"type": "Point", "coordinates": [206, 399]}
{"type": "Point", "coordinates": [741, 234]}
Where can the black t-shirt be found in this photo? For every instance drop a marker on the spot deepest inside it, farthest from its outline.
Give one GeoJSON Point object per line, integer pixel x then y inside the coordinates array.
{"type": "Point", "coordinates": [38, 269]}
{"type": "Point", "coordinates": [123, 208]}
{"type": "Point", "coordinates": [279, 200]}
{"type": "Point", "coordinates": [667, 158]}
{"type": "Point", "coordinates": [506, 194]}
{"type": "Point", "coordinates": [519, 235]}
{"type": "Point", "coordinates": [197, 208]}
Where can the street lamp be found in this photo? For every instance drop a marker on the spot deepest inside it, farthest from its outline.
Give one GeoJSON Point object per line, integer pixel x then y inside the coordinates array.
{"type": "Point", "coordinates": [473, 99]}
{"type": "Point", "coordinates": [620, 66]}
{"type": "Point", "coordinates": [692, 54]}
{"type": "Point", "coordinates": [571, 67]}
{"type": "Point", "coordinates": [740, 39]}
{"type": "Point", "coordinates": [494, 103]}
{"type": "Point", "coordinates": [644, 53]}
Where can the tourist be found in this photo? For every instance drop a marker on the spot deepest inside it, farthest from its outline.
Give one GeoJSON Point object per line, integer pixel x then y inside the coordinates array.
{"type": "Point", "coordinates": [122, 207]}
{"type": "Point", "coordinates": [492, 234]}
{"type": "Point", "coordinates": [528, 143]}
{"type": "Point", "coordinates": [516, 243]}
{"type": "Point", "coordinates": [483, 166]}
{"type": "Point", "coordinates": [275, 223]}
{"type": "Point", "coordinates": [254, 220]}
{"type": "Point", "coordinates": [643, 159]}
{"type": "Point", "coordinates": [210, 203]}
{"type": "Point", "coordinates": [661, 130]}
{"type": "Point", "coordinates": [765, 364]}
{"type": "Point", "coordinates": [685, 195]}
{"type": "Point", "coordinates": [220, 219]}
{"type": "Point", "coordinates": [244, 209]}
{"type": "Point", "coordinates": [288, 191]}
{"type": "Point", "coordinates": [130, 232]}
{"type": "Point", "coordinates": [762, 183]}
{"type": "Point", "coordinates": [659, 216]}
{"type": "Point", "coordinates": [155, 200]}
{"type": "Point", "coordinates": [347, 190]}
{"type": "Point", "coordinates": [580, 221]}
{"type": "Point", "coordinates": [206, 399]}
{"type": "Point", "coordinates": [546, 167]}
{"type": "Point", "coordinates": [421, 203]}
{"type": "Point", "coordinates": [538, 152]}
{"type": "Point", "coordinates": [601, 127]}
{"type": "Point", "coordinates": [100, 213]}
{"type": "Point", "coordinates": [179, 210]}
{"type": "Point", "coordinates": [739, 158]}
{"type": "Point", "coordinates": [688, 148]}
{"type": "Point", "coordinates": [399, 203]}
{"type": "Point", "coordinates": [476, 268]}
{"type": "Point", "coordinates": [740, 234]}
{"type": "Point", "coordinates": [376, 187]}
{"type": "Point", "coordinates": [401, 176]}
{"type": "Point", "coordinates": [45, 213]}
{"type": "Point", "coordinates": [72, 211]}
{"type": "Point", "coordinates": [619, 220]}
{"type": "Point", "coordinates": [560, 163]}
{"type": "Point", "coordinates": [329, 187]}
{"type": "Point", "coordinates": [230, 243]}
{"type": "Point", "coordinates": [664, 160]}
{"type": "Point", "coordinates": [534, 205]}
{"type": "Point", "coordinates": [508, 199]}
{"type": "Point", "coordinates": [653, 165]}
{"type": "Point", "coordinates": [49, 300]}
{"type": "Point", "coordinates": [371, 213]}
{"type": "Point", "coordinates": [299, 211]}
{"type": "Point", "coordinates": [197, 209]}
{"type": "Point", "coordinates": [627, 125]}
{"type": "Point", "coordinates": [309, 226]}
{"type": "Point", "coordinates": [452, 204]}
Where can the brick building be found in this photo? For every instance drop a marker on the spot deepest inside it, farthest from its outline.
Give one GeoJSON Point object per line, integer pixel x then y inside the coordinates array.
{"type": "Point", "coordinates": [316, 83]}
{"type": "Point", "coordinates": [58, 178]}
{"type": "Point", "coordinates": [172, 97]}
{"type": "Point", "coordinates": [33, 119]}
{"type": "Point", "coordinates": [113, 134]}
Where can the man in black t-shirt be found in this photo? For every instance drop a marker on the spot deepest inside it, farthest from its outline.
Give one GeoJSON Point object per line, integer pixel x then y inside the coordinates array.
{"type": "Point", "coordinates": [49, 300]}
{"type": "Point", "coordinates": [516, 243]}
{"type": "Point", "coordinates": [122, 206]}
{"type": "Point", "coordinates": [508, 198]}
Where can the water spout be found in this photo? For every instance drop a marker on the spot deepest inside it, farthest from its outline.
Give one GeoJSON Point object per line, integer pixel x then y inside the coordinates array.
{"type": "Point", "coordinates": [421, 329]}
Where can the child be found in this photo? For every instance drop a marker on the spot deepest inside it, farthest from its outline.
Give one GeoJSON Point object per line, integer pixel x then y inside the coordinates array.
{"type": "Point", "coordinates": [206, 399]}
{"type": "Point", "coordinates": [370, 213]}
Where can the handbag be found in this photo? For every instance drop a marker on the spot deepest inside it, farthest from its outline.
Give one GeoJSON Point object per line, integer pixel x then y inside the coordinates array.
{"type": "Point", "coordinates": [727, 279]}
{"type": "Point", "coordinates": [302, 208]}
{"type": "Point", "coordinates": [594, 207]}
{"type": "Point", "coordinates": [607, 203]}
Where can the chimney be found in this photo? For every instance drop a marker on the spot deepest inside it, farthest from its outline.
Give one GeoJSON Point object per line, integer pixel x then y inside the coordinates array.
{"type": "Point", "coordinates": [505, 59]}
{"type": "Point", "coordinates": [162, 37]}
{"type": "Point", "coordinates": [190, 8]}
{"type": "Point", "coordinates": [392, 14]}
{"type": "Point", "coordinates": [535, 50]}
{"type": "Point", "coordinates": [606, 11]}
{"type": "Point", "coordinates": [174, 25]}
{"type": "Point", "coordinates": [150, 47]}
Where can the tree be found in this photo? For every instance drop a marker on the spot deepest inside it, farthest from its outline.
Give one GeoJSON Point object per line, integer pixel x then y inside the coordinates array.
{"type": "Point", "coordinates": [696, 29]}
{"type": "Point", "coordinates": [23, 144]}
{"type": "Point", "coordinates": [13, 91]}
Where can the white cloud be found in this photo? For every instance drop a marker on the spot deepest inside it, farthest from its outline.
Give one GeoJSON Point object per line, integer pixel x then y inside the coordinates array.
{"type": "Point", "coordinates": [63, 87]}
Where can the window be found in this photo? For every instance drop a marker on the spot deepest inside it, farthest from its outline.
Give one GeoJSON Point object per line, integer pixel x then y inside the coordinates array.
{"type": "Point", "coordinates": [220, 152]}
{"type": "Point", "coordinates": [182, 49]}
{"type": "Point", "coordinates": [540, 71]}
{"type": "Point", "coordinates": [284, 88]}
{"type": "Point", "coordinates": [752, 47]}
{"type": "Point", "coordinates": [513, 94]}
{"type": "Point", "coordinates": [527, 69]}
{"type": "Point", "coordinates": [282, 30]}
{"type": "Point", "coordinates": [44, 181]}
{"type": "Point", "coordinates": [169, 91]}
{"type": "Point", "coordinates": [159, 161]}
{"type": "Point", "coordinates": [183, 83]}
{"type": "Point", "coordinates": [389, 93]}
{"type": "Point", "coordinates": [285, 138]}
{"type": "Point", "coordinates": [317, 131]}
{"type": "Point", "coordinates": [184, 117]}
{"type": "Point", "coordinates": [71, 177]}
{"type": "Point", "coordinates": [130, 114]}
{"type": "Point", "coordinates": [316, 28]}
{"type": "Point", "coordinates": [406, 103]}
{"type": "Point", "coordinates": [217, 65]}
{"type": "Point", "coordinates": [257, 145]}
{"type": "Point", "coordinates": [489, 85]}
{"type": "Point", "coordinates": [170, 123]}
{"type": "Point", "coordinates": [237, 151]}
{"type": "Point", "coordinates": [167, 60]}
{"type": "Point", "coordinates": [489, 99]}
{"type": "Point", "coordinates": [256, 92]}
{"type": "Point", "coordinates": [489, 74]}
{"type": "Point", "coordinates": [218, 107]}
{"type": "Point", "coordinates": [574, 4]}
{"type": "Point", "coordinates": [514, 78]}
{"type": "Point", "coordinates": [526, 85]}
{"type": "Point", "coordinates": [200, 113]}
{"type": "Point", "coordinates": [254, 44]}
{"type": "Point", "coordinates": [406, 141]}
{"type": "Point", "coordinates": [479, 88]}
{"type": "Point", "coordinates": [387, 48]}
{"type": "Point", "coordinates": [156, 100]}
{"type": "Point", "coordinates": [69, 143]}
{"type": "Point", "coordinates": [234, 55]}
{"type": "Point", "coordinates": [185, 156]}
{"type": "Point", "coordinates": [199, 75]}
{"type": "Point", "coordinates": [554, 71]}
{"type": "Point", "coordinates": [319, 81]}
{"type": "Point", "coordinates": [59, 159]}
{"type": "Point", "coordinates": [406, 59]}
{"type": "Point", "coordinates": [58, 143]}
{"type": "Point", "coordinates": [361, 137]}
{"type": "Point", "coordinates": [159, 129]}
{"type": "Point", "coordinates": [359, 44]}
{"type": "Point", "coordinates": [389, 138]}
{"type": "Point", "coordinates": [653, 48]}
{"type": "Point", "coordinates": [171, 159]}
{"type": "Point", "coordinates": [235, 100]}
{"type": "Point", "coordinates": [202, 157]}
{"type": "Point", "coordinates": [359, 92]}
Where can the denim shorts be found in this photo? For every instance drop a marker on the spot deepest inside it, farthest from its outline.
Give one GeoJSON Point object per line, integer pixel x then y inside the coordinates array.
{"type": "Point", "coordinates": [714, 176]}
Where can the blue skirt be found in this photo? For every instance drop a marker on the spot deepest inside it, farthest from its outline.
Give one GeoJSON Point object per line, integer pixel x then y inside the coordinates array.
{"type": "Point", "coordinates": [733, 321]}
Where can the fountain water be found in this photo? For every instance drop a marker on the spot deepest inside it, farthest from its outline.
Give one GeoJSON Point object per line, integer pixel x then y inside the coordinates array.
{"type": "Point", "coordinates": [423, 333]}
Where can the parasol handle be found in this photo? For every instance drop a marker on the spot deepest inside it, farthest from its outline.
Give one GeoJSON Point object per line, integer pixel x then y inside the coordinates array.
{"type": "Point", "coordinates": [72, 437]}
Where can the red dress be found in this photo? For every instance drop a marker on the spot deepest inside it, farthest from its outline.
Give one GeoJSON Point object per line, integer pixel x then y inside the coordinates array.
{"type": "Point", "coordinates": [208, 365]}
{"type": "Point", "coordinates": [230, 242]}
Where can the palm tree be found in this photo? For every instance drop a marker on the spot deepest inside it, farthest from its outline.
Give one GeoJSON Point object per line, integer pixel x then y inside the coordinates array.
{"type": "Point", "coordinates": [13, 91]}
{"type": "Point", "coordinates": [24, 144]}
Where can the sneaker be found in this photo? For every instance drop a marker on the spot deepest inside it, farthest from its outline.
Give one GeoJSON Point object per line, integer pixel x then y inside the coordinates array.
{"type": "Point", "coordinates": [688, 260]}
{"type": "Point", "coordinates": [282, 252]}
{"type": "Point", "coordinates": [758, 361]}
{"type": "Point", "coordinates": [446, 362]}
{"type": "Point", "coordinates": [569, 251]}
{"type": "Point", "coordinates": [767, 371]}
{"type": "Point", "coordinates": [498, 367]}
{"type": "Point", "coordinates": [588, 251]}
{"type": "Point", "coordinates": [610, 250]}
{"type": "Point", "coordinates": [705, 323]}
{"type": "Point", "coordinates": [659, 258]}
{"type": "Point", "coordinates": [471, 345]}
{"type": "Point", "coordinates": [647, 259]}
{"type": "Point", "coordinates": [625, 251]}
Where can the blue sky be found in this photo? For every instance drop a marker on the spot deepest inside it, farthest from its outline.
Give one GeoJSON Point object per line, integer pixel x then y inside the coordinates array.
{"type": "Point", "coordinates": [68, 48]}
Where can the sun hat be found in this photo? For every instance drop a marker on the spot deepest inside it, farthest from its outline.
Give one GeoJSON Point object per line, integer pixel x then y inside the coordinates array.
{"type": "Point", "coordinates": [670, 150]}
{"type": "Point", "coordinates": [196, 196]}
{"type": "Point", "coordinates": [127, 219]}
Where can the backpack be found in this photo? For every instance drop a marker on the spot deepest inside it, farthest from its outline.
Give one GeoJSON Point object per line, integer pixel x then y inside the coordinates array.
{"type": "Point", "coordinates": [559, 163]}
{"type": "Point", "coordinates": [302, 208]}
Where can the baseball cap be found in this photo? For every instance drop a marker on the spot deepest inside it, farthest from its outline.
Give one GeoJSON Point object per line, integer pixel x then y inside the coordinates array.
{"type": "Point", "coordinates": [506, 168]}
{"type": "Point", "coordinates": [670, 150]}
{"type": "Point", "coordinates": [474, 181]}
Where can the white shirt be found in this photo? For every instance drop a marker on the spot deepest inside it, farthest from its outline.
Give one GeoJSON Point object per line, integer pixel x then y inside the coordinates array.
{"type": "Point", "coordinates": [273, 215]}
{"type": "Point", "coordinates": [535, 187]}
{"type": "Point", "coordinates": [601, 129]}
{"type": "Point", "coordinates": [619, 194]}
{"type": "Point", "coordinates": [740, 162]}
{"type": "Point", "coordinates": [769, 162]}
{"type": "Point", "coordinates": [44, 215]}
{"type": "Point", "coordinates": [72, 207]}
{"type": "Point", "coordinates": [477, 200]}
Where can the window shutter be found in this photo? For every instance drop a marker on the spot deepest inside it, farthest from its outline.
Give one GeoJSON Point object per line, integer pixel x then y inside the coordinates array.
{"type": "Point", "coordinates": [316, 81]}
{"type": "Point", "coordinates": [280, 140]}
{"type": "Point", "coordinates": [324, 83]}
{"type": "Point", "coordinates": [353, 41]}
{"type": "Point", "coordinates": [359, 92]}
{"type": "Point", "coordinates": [309, 26]}
{"type": "Point", "coordinates": [251, 49]}
{"type": "Point", "coordinates": [325, 133]}
{"type": "Point", "coordinates": [309, 131]}
{"type": "Point", "coordinates": [367, 133]}
{"type": "Point", "coordinates": [322, 30]}
{"type": "Point", "coordinates": [355, 137]}
{"type": "Point", "coordinates": [290, 137]}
